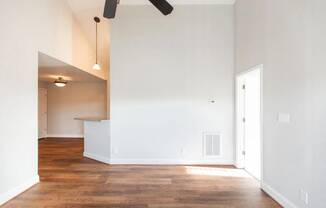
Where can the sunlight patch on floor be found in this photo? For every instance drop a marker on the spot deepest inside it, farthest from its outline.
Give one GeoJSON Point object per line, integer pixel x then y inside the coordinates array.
{"type": "Point", "coordinates": [215, 171]}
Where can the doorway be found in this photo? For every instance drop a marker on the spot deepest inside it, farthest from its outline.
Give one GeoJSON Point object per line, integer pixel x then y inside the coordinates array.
{"type": "Point", "coordinates": [249, 119]}
{"type": "Point", "coordinates": [42, 113]}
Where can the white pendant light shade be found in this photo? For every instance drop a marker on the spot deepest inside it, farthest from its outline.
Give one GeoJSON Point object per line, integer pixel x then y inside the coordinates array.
{"type": "Point", "coordinates": [60, 82]}
{"type": "Point", "coordinates": [96, 67]}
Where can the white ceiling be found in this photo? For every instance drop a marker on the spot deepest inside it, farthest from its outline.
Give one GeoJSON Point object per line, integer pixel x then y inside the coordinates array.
{"type": "Point", "coordinates": [50, 69]}
{"type": "Point", "coordinates": [81, 5]}
{"type": "Point", "coordinates": [180, 2]}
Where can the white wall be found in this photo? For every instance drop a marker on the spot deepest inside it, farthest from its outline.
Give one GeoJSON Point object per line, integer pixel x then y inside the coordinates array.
{"type": "Point", "coordinates": [164, 73]}
{"type": "Point", "coordinates": [76, 100]}
{"type": "Point", "coordinates": [249, 34]}
{"type": "Point", "coordinates": [42, 84]}
{"type": "Point", "coordinates": [315, 141]}
{"type": "Point", "coordinates": [287, 37]}
{"type": "Point", "coordinates": [26, 28]}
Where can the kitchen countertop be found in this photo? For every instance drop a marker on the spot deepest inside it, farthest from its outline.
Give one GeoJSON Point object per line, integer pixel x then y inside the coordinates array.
{"type": "Point", "coordinates": [91, 119]}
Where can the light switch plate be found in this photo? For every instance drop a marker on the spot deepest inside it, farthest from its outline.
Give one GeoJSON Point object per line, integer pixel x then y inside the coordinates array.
{"type": "Point", "coordinates": [284, 118]}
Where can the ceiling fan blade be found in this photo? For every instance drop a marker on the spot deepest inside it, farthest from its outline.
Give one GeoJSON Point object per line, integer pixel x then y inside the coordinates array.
{"type": "Point", "coordinates": [110, 8]}
{"type": "Point", "coordinates": [163, 6]}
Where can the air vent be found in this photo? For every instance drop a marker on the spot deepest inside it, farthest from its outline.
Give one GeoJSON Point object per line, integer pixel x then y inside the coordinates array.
{"type": "Point", "coordinates": [212, 144]}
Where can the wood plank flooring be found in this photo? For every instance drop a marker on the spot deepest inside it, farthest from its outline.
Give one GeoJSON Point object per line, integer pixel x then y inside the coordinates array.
{"type": "Point", "coordinates": [68, 180]}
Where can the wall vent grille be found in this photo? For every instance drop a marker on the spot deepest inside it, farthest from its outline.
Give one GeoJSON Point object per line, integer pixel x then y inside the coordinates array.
{"type": "Point", "coordinates": [212, 144]}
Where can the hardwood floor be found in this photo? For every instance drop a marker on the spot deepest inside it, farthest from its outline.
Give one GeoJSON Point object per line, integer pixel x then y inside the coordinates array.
{"type": "Point", "coordinates": [68, 180]}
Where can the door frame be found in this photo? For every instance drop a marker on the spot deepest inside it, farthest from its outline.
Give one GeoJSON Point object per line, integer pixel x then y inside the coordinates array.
{"type": "Point", "coordinates": [45, 91]}
{"type": "Point", "coordinates": [239, 161]}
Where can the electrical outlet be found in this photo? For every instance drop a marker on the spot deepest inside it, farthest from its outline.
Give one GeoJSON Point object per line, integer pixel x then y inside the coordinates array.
{"type": "Point", "coordinates": [304, 197]}
{"type": "Point", "coordinates": [182, 151]}
{"type": "Point", "coordinates": [115, 151]}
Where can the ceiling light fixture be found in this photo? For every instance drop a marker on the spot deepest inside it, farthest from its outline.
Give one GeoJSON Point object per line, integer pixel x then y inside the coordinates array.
{"type": "Point", "coordinates": [60, 82]}
{"type": "Point", "coordinates": [96, 65]}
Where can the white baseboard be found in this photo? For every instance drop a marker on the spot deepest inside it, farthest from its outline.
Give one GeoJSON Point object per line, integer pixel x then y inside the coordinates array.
{"type": "Point", "coordinates": [169, 162]}
{"type": "Point", "coordinates": [5, 197]}
{"type": "Point", "coordinates": [156, 161]}
{"type": "Point", "coordinates": [65, 136]}
{"type": "Point", "coordinates": [97, 157]}
{"type": "Point", "coordinates": [277, 196]}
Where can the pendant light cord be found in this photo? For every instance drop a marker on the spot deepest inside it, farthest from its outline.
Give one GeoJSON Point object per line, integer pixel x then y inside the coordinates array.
{"type": "Point", "coordinates": [96, 42]}
{"type": "Point", "coordinates": [97, 20]}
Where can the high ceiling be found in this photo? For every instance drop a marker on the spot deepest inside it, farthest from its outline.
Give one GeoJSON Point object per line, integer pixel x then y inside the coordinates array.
{"type": "Point", "coordinates": [50, 69]}
{"type": "Point", "coordinates": [180, 2]}
{"type": "Point", "coordinates": [91, 4]}
{"type": "Point", "coordinates": [84, 12]}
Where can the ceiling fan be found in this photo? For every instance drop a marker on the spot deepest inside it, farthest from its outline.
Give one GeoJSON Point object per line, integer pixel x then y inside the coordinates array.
{"type": "Point", "coordinates": [111, 7]}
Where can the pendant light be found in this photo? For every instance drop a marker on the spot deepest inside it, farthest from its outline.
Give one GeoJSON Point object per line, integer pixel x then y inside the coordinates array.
{"type": "Point", "coordinates": [96, 65]}
{"type": "Point", "coordinates": [60, 82]}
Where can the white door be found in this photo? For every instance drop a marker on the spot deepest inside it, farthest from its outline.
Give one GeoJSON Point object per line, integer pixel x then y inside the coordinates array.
{"type": "Point", "coordinates": [249, 114]}
{"type": "Point", "coordinates": [42, 113]}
